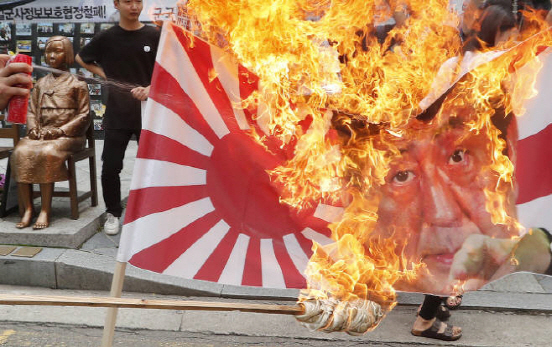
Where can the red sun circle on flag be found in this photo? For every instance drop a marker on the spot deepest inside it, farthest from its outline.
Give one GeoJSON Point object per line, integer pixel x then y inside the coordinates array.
{"type": "Point", "coordinates": [241, 191]}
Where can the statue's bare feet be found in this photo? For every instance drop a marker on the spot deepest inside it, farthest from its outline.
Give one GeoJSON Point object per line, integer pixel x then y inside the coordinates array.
{"type": "Point", "coordinates": [25, 220]}
{"type": "Point", "coordinates": [42, 222]}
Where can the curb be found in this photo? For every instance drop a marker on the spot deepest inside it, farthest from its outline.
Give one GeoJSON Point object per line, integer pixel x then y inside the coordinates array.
{"type": "Point", "coordinates": [81, 270]}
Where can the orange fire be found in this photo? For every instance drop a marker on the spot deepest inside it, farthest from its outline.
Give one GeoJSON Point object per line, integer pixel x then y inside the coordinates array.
{"type": "Point", "coordinates": [321, 59]}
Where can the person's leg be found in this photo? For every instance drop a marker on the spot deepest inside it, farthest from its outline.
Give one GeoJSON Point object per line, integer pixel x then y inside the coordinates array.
{"type": "Point", "coordinates": [427, 325]}
{"type": "Point", "coordinates": [137, 133]}
{"type": "Point", "coordinates": [24, 193]}
{"type": "Point", "coordinates": [46, 192]}
{"type": "Point", "coordinates": [430, 306]}
{"type": "Point", "coordinates": [115, 144]}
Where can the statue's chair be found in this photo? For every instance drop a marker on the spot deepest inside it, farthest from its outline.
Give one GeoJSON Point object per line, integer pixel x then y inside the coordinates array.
{"type": "Point", "coordinates": [8, 205]}
{"type": "Point", "coordinates": [89, 152]}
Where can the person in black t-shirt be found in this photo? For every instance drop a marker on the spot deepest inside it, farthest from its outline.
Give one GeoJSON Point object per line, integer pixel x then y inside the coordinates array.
{"type": "Point", "coordinates": [124, 53]}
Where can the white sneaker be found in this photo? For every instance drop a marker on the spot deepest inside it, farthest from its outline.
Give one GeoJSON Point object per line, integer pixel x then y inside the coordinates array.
{"type": "Point", "coordinates": [111, 226]}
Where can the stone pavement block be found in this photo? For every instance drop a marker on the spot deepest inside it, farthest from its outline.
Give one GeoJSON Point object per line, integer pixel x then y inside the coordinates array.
{"type": "Point", "coordinates": [480, 328]}
{"type": "Point", "coordinates": [257, 324]}
{"type": "Point", "coordinates": [102, 244]}
{"type": "Point", "coordinates": [93, 316]}
{"type": "Point", "coordinates": [143, 281]}
{"type": "Point", "coordinates": [159, 319]}
{"type": "Point", "coordinates": [84, 270]}
{"type": "Point", "coordinates": [545, 282]}
{"type": "Point", "coordinates": [521, 282]}
{"type": "Point", "coordinates": [90, 271]}
{"type": "Point", "coordinates": [37, 271]}
{"type": "Point", "coordinates": [539, 302]}
{"type": "Point", "coordinates": [230, 291]}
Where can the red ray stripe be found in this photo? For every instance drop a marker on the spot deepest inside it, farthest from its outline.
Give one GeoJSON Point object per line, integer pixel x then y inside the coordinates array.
{"type": "Point", "coordinates": [306, 244]}
{"type": "Point", "coordinates": [252, 274]}
{"type": "Point", "coordinates": [541, 49]}
{"type": "Point", "coordinates": [163, 148]}
{"type": "Point", "coordinates": [534, 166]}
{"type": "Point", "coordinates": [167, 91]}
{"type": "Point", "coordinates": [292, 277]}
{"type": "Point", "coordinates": [213, 267]}
{"type": "Point", "coordinates": [306, 219]}
{"type": "Point", "coordinates": [248, 82]}
{"type": "Point", "coordinates": [159, 256]}
{"type": "Point", "coordinates": [143, 202]}
{"type": "Point", "coordinates": [200, 56]}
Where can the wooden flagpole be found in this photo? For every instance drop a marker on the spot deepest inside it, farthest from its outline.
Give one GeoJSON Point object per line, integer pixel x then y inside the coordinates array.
{"type": "Point", "coordinates": [116, 291]}
{"type": "Point", "coordinates": [112, 302]}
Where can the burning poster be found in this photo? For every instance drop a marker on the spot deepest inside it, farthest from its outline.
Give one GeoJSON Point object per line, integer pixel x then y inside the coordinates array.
{"type": "Point", "coordinates": [288, 147]}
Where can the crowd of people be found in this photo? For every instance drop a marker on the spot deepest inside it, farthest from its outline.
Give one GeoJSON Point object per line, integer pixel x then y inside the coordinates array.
{"type": "Point", "coordinates": [127, 51]}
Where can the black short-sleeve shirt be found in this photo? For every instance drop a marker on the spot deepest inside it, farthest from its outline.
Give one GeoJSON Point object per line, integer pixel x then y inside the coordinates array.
{"type": "Point", "coordinates": [125, 56]}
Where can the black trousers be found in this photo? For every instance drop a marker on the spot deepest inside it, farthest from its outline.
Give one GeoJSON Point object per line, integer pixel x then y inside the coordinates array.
{"type": "Point", "coordinates": [115, 145]}
{"type": "Point", "coordinates": [430, 306]}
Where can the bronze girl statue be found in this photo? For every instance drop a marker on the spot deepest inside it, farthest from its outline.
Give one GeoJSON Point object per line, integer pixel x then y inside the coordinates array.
{"type": "Point", "coordinates": [57, 121]}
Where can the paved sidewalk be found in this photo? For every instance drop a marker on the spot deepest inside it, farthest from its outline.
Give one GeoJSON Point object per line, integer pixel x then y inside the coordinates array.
{"type": "Point", "coordinates": [89, 262]}
{"type": "Point", "coordinates": [489, 327]}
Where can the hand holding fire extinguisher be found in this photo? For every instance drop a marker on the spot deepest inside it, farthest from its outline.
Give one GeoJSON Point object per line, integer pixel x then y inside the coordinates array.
{"type": "Point", "coordinates": [15, 80]}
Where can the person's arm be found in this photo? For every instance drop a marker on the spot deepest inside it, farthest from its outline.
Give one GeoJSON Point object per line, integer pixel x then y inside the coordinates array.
{"type": "Point", "coordinates": [14, 80]}
{"type": "Point", "coordinates": [96, 69]}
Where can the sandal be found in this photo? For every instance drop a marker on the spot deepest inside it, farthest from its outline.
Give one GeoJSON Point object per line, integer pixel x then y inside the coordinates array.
{"type": "Point", "coordinates": [457, 298]}
{"type": "Point", "coordinates": [443, 313]}
{"type": "Point", "coordinates": [433, 332]}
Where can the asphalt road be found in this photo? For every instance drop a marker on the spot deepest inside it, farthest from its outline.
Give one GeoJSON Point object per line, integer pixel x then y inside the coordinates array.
{"type": "Point", "coordinates": [481, 328]}
{"type": "Point", "coordinates": [47, 335]}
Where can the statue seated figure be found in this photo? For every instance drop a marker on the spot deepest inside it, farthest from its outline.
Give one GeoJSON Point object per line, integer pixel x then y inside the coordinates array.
{"type": "Point", "coordinates": [57, 121]}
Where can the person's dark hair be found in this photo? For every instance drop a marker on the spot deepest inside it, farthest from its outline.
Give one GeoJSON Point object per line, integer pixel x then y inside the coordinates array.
{"type": "Point", "coordinates": [494, 19]}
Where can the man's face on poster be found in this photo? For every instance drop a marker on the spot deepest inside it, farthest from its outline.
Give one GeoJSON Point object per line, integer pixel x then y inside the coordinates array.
{"type": "Point", "coordinates": [434, 197]}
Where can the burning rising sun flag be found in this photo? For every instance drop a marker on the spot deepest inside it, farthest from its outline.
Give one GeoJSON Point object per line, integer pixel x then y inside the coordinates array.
{"type": "Point", "coordinates": [288, 160]}
{"type": "Point", "coordinates": [202, 206]}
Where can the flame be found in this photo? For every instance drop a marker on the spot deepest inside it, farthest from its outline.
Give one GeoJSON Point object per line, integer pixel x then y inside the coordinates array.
{"type": "Point", "coordinates": [321, 59]}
